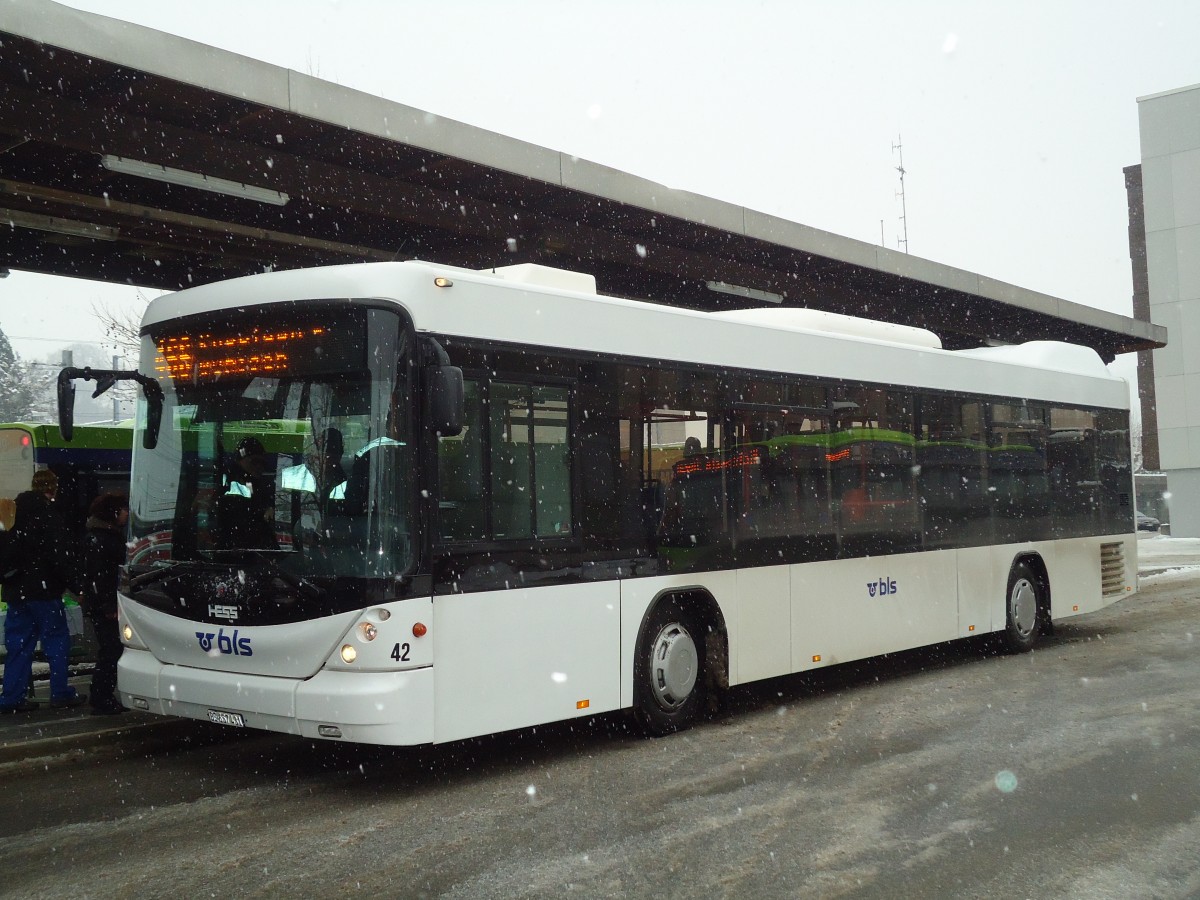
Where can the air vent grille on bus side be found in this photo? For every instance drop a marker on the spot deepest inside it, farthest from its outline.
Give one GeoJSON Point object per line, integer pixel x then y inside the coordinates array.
{"type": "Point", "coordinates": [1112, 569]}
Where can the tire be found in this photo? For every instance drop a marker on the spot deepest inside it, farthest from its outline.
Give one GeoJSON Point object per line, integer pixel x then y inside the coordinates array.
{"type": "Point", "coordinates": [669, 669]}
{"type": "Point", "coordinates": [1025, 609]}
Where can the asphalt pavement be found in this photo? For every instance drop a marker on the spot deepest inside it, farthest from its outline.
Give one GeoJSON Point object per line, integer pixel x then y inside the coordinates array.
{"type": "Point", "coordinates": [49, 732]}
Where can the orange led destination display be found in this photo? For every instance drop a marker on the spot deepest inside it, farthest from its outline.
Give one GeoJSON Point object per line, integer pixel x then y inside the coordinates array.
{"type": "Point", "coordinates": [716, 464]}
{"type": "Point", "coordinates": [260, 351]}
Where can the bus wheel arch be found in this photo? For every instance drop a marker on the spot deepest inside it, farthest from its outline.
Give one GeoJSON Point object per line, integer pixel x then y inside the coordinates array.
{"type": "Point", "coordinates": [680, 661]}
{"type": "Point", "coordinates": [1027, 603]}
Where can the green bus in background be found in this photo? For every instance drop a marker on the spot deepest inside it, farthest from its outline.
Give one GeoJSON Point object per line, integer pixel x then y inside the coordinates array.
{"type": "Point", "coordinates": [95, 461]}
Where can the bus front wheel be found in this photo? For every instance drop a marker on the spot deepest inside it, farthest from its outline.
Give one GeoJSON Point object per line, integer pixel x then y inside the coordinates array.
{"type": "Point", "coordinates": [669, 671]}
{"type": "Point", "coordinates": [1026, 608]}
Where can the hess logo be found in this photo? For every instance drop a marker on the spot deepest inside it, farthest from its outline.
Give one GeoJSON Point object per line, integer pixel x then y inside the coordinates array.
{"type": "Point", "coordinates": [230, 645]}
{"type": "Point", "coordinates": [882, 587]}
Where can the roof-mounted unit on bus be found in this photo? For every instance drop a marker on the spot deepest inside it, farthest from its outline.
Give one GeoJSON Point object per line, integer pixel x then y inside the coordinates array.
{"type": "Point", "coordinates": [546, 276]}
{"type": "Point", "coordinates": [799, 319]}
{"type": "Point", "coordinates": [1054, 356]}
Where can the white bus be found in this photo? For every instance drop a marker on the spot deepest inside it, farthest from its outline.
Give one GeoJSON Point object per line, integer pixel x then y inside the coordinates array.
{"type": "Point", "coordinates": [551, 504]}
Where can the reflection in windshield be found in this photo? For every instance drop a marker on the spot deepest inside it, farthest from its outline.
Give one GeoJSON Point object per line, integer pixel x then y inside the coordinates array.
{"type": "Point", "coordinates": [312, 467]}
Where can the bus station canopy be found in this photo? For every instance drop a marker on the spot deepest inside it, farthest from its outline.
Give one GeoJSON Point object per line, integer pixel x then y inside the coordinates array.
{"type": "Point", "coordinates": [131, 155]}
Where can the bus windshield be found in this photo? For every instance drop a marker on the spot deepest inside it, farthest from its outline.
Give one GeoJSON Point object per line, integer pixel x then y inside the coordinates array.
{"type": "Point", "coordinates": [285, 437]}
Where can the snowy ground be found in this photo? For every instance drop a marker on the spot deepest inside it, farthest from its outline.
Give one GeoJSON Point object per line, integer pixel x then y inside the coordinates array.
{"type": "Point", "coordinates": [1157, 554]}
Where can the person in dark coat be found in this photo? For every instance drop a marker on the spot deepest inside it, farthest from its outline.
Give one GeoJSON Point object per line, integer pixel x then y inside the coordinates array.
{"type": "Point", "coordinates": [246, 505]}
{"type": "Point", "coordinates": [103, 554]}
{"type": "Point", "coordinates": [45, 549]}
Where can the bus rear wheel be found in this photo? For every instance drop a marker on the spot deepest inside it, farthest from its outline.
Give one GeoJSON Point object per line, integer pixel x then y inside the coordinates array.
{"type": "Point", "coordinates": [669, 670]}
{"type": "Point", "coordinates": [1025, 609]}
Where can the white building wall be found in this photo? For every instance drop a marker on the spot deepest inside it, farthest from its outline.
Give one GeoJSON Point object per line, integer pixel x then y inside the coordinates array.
{"type": "Point", "coordinates": [1170, 133]}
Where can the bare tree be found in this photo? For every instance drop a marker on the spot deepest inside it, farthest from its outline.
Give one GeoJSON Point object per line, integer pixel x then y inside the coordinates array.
{"type": "Point", "coordinates": [122, 327]}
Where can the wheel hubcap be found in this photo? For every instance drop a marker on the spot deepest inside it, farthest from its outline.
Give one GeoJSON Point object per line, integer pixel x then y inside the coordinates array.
{"type": "Point", "coordinates": [1024, 606]}
{"type": "Point", "coordinates": [673, 666]}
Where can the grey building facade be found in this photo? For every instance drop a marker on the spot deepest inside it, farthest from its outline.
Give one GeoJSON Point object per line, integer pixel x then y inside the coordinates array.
{"type": "Point", "coordinates": [1169, 124]}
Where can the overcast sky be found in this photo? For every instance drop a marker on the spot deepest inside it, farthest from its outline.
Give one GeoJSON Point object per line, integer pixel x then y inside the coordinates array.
{"type": "Point", "coordinates": [1016, 118]}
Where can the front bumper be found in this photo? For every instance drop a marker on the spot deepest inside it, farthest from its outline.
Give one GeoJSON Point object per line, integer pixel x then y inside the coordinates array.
{"type": "Point", "coordinates": [394, 708]}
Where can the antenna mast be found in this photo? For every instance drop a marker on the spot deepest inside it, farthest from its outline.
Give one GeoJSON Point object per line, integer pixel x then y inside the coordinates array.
{"type": "Point", "coordinates": [899, 147]}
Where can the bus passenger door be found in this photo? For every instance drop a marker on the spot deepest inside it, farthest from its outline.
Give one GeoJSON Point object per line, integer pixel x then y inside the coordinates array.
{"type": "Point", "coordinates": [520, 637]}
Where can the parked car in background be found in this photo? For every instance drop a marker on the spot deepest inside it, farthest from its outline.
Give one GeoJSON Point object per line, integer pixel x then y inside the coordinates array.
{"type": "Point", "coordinates": [1146, 523]}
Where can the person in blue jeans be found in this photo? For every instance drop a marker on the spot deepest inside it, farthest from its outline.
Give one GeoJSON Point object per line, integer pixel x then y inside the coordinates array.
{"type": "Point", "coordinates": [45, 550]}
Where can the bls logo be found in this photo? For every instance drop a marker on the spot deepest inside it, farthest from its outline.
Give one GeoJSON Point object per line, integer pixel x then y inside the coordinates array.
{"type": "Point", "coordinates": [882, 587]}
{"type": "Point", "coordinates": [230, 646]}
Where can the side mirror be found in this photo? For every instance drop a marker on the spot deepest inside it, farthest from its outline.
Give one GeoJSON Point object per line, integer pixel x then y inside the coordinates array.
{"type": "Point", "coordinates": [444, 400]}
{"type": "Point", "coordinates": [154, 407]}
{"type": "Point", "coordinates": [106, 378]}
{"type": "Point", "coordinates": [66, 403]}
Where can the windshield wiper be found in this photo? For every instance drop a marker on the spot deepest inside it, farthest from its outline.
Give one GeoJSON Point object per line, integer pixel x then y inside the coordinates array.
{"type": "Point", "coordinates": [306, 588]}
{"type": "Point", "coordinates": [160, 570]}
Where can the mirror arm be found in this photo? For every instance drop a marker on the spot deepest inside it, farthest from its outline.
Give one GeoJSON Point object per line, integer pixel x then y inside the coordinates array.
{"type": "Point", "coordinates": [106, 378]}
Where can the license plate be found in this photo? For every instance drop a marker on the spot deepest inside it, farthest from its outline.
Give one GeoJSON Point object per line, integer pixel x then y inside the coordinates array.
{"type": "Point", "coordinates": [226, 718]}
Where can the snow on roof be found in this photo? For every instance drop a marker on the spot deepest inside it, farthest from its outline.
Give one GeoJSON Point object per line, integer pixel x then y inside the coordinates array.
{"type": "Point", "coordinates": [1055, 356]}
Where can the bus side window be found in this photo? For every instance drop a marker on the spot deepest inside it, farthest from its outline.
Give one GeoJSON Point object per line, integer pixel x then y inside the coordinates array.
{"type": "Point", "coordinates": [521, 432]}
{"type": "Point", "coordinates": [531, 466]}
{"type": "Point", "coordinates": [551, 462]}
{"type": "Point", "coordinates": [509, 418]}
{"type": "Point", "coordinates": [460, 474]}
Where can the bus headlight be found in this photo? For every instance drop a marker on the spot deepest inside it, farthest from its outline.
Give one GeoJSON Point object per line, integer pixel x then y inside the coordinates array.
{"type": "Point", "coordinates": [367, 632]}
{"type": "Point", "coordinates": [130, 638]}
{"type": "Point", "coordinates": [349, 654]}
